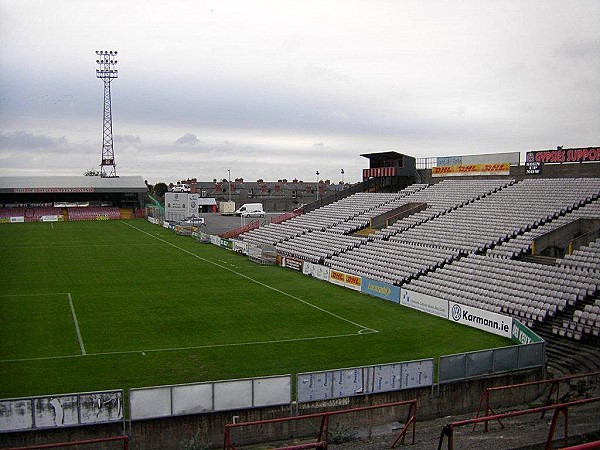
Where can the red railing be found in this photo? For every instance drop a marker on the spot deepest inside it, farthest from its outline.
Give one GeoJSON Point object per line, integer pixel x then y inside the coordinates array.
{"type": "Point", "coordinates": [125, 440]}
{"type": "Point", "coordinates": [323, 437]}
{"type": "Point", "coordinates": [561, 408]}
{"type": "Point", "coordinates": [554, 389]}
{"type": "Point", "coordinates": [287, 216]}
{"type": "Point", "coordinates": [237, 231]}
{"type": "Point", "coordinates": [587, 446]}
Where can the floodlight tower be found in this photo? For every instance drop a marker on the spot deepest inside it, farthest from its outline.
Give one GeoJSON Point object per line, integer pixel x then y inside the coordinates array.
{"type": "Point", "coordinates": [106, 72]}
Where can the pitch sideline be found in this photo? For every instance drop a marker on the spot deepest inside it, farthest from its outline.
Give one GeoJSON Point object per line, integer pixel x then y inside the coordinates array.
{"type": "Point", "coordinates": [362, 328]}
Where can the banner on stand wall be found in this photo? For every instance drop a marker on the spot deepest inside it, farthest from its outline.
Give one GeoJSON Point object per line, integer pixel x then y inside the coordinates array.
{"type": "Point", "coordinates": [380, 289]}
{"type": "Point", "coordinates": [316, 270]}
{"type": "Point", "coordinates": [481, 319]}
{"type": "Point", "coordinates": [425, 303]}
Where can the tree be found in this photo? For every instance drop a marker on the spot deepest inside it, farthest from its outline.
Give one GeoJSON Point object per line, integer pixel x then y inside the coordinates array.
{"type": "Point", "coordinates": [92, 173]}
{"type": "Point", "coordinates": [160, 189]}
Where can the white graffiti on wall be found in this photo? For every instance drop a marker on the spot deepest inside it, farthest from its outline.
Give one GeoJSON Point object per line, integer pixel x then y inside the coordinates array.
{"type": "Point", "coordinates": [61, 410]}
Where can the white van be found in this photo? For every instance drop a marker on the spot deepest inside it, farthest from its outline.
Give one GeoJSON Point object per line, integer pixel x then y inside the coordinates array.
{"type": "Point", "coordinates": [251, 210]}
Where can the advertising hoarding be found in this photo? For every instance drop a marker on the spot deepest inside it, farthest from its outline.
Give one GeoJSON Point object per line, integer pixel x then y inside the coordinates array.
{"type": "Point", "coordinates": [567, 155]}
{"type": "Point", "coordinates": [380, 289]}
{"type": "Point", "coordinates": [471, 170]}
{"type": "Point", "coordinates": [425, 303]}
{"type": "Point", "coordinates": [481, 319]}
{"type": "Point", "coordinates": [316, 270]}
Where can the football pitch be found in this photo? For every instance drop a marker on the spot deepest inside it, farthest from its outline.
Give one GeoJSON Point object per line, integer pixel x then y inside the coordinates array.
{"type": "Point", "coordinates": [89, 306]}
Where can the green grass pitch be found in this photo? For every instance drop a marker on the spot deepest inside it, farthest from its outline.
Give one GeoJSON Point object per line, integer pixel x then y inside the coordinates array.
{"type": "Point", "coordinates": [87, 306]}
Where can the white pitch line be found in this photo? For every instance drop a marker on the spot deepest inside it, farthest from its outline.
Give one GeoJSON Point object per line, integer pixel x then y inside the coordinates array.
{"type": "Point", "coordinates": [34, 295]}
{"type": "Point", "coordinates": [81, 346]}
{"type": "Point", "coordinates": [197, 347]}
{"type": "Point", "coordinates": [362, 327]}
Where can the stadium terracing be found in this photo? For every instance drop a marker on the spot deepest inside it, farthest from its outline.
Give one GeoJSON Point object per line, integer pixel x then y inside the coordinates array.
{"type": "Point", "coordinates": [469, 244]}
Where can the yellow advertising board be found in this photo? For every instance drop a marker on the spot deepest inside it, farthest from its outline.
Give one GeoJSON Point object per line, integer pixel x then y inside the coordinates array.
{"type": "Point", "coordinates": [471, 170]}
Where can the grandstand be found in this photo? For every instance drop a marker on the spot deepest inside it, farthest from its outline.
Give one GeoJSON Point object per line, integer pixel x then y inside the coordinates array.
{"type": "Point", "coordinates": [33, 199]}
{"type": "Point", "coordinates": [471, 244]}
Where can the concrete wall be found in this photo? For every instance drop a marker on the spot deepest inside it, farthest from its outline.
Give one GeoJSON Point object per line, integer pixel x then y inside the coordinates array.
{"type": "Point", "coordinates": [168, 433]}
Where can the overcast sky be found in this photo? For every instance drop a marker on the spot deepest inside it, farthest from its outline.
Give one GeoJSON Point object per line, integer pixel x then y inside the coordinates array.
{"type": "Point", "coordinates": [281, 89]}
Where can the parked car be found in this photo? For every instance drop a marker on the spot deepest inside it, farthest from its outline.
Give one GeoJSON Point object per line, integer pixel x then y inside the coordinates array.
{"type": "Point", "coordinates": [181, 188]}
{"type": "Point", "coordinates": [193, 221]}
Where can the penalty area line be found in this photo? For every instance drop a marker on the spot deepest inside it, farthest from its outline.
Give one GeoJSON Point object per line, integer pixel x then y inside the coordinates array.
{"type": "Point", "coordinates": [197, 347]}
{"type": "Point", "coordinates": [260, 283]}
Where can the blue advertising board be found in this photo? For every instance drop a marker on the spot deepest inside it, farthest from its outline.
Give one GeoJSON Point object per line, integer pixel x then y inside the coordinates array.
{"type": "Point", "coordinates": [380, 289]}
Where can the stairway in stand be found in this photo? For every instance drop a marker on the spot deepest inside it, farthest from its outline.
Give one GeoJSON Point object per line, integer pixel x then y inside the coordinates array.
{"type": "Point", "coordinates": [566, 355]}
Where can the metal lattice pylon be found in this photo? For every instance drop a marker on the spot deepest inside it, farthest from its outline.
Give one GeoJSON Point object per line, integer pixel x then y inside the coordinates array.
{"type": "Point", "coordinates": [106, 72]}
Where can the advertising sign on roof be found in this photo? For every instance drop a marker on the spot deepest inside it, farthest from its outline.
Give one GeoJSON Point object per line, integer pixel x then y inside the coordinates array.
{"type": "Point", "coordinates": [471, 170]}
{"type": "Point", "coordinates": [566, 155]}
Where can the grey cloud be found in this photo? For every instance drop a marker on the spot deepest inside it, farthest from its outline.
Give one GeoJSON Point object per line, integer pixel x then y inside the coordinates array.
{"type": "Point", "coordinates": [128, 138]}
{"type": "Point", "coordinates": [579, 49]}
{"type": "Point", "coordinates": [188, 139]}
{"type": "Point", "coordinates": [26, 140]}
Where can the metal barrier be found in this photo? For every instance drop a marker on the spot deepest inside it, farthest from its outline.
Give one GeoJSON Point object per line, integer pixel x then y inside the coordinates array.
{"type": "Point", "coordinates": [208, 397]}
{"type": "Point", "coordinates": [587, 446]}
{"type": "Point", "coordinates": [323, 436]}
{"type": "Point", "coordinates": [561, 408]}
{"type": "Point", "coordinates": [124, 439]}
{"type": "Point", "coordinates": [286, 216]}
{"type": "Point", "coordinates": [467, 365]}
{"type": "Point", "coordinates": [554, 388]}
{"type": "Point", "coordinates": [237, 231]}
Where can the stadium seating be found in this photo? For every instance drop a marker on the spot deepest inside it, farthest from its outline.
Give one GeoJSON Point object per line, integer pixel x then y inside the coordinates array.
{"type": "Point", "coordinates": [34, 214]}
{"type": "Point", "coordinates": [464, 246]}
{"type": "Point", "coordinates": [443, 197]}
{"type": "Point", "coordinates": [315, 246]}
{"type": "Point", "coordinates": [391, 261]}
{"type": "Point", "coordinates": [585, 321]}
{"type": "Point", "coordinates": [31, 214]}
{"type": "Point", "coordinates": [95, 213]}
{"type": "Point", "coordinates": [273, 233]}
{"type": "Point", "coordinates": [522, 289]}
{"type": "Point", "coordinates": [585, 258]}
{"type": "Point", "coordinates": [362, 220]}
{"type": "Point", "coordinates": [341, 217]}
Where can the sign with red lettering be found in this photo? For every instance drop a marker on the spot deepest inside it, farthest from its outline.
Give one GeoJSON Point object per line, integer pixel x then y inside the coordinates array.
{"type": "Point", "coordinates": [566, 155]}
{"type": "Point", "coordinates": [471, 170]}
{"type": "Point", "coordinates": [353, 282]}
{"type": "Point", "coordinates": [337, 277]}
